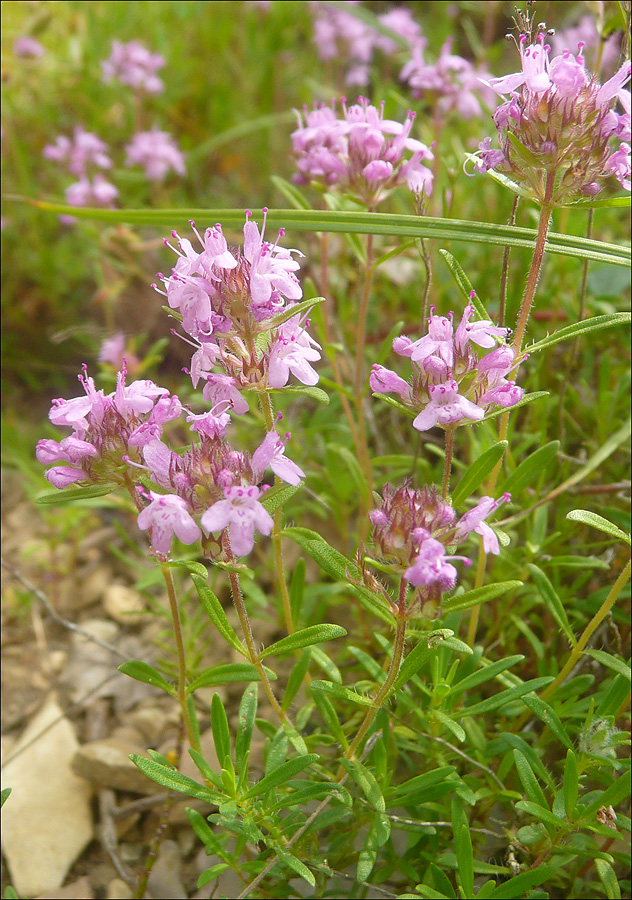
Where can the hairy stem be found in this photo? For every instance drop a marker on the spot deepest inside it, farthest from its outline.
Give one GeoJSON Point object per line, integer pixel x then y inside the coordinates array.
{"type": "Point", "coordinates": [447, 464]}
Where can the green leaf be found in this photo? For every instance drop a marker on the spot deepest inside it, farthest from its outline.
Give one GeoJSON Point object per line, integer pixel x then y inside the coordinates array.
{"type": "Point", "coordinates": [612, 662]}
{"type": "Point", "coordinates": [340, 568]}
{"type": "Point", "coordinates": [540, 813]}
{"type": "Point", "coordinates": [277, 496]}
{"type": "Point", "coordinates": [577, 328]}
{"type": "Point", "coordinates": [552, 602]}
{"type": "Point", "coordinates": [418, 656]}
{"type": "Point", "coordinates": [463, 848]}
{"type": "Point", "coordinates": [4, 796]}
{"type": "Point", "coordinates": [476, 474]}
{"type": "Point", "coordinates": [288, 770]}
{"type": "Point", "coordinates": [464, 284]}
{"type": "Point", "coordinates": [297, 589]}
{"type": "Point", "coordinates": [142, 671]}
{"type": "Point", "coordinates": [480, 595]}
{"type": "Point", "coordinates": [612, 796]}
{"type": "Point", "coordinates": [70, 494]}
{"type": "Point", "coordinates": [195, 568]}
{"type": "Point", "coordinates": [606, 203]}
{"type": "Point", "coordinates": [211, 874]}
{"type": "Point", "coordinates": [366, 781]}
{"type": "Point", "coordinates": [531, 468]}
{"type": "Point", "coordinates": [204, 832]}
{"type": "Point", "coordinates": [529, 781]}
{"type": "Point", "coordinates": [306, 389]}
{"type": "Point", "coordinates": [355, 222]}
{"type": "Point", "coordinates": [450, 724]}
{"type": "Point", "coordinates": [547, 714]}
{"type": "Point", "coordinates": [313, 634]}
{"type": "Point", "coordinates": [175, 781]}
{"type": "Point", "coordinates": [221, 733]}
{"type": "Point", "coordinates": [230, 673]}
{"type": "Point", "coordinates": [291, 311]}
{"type": "Point", "coordinates": [296, 678]}
{"type": "Point", "coordinates": [205, 770]}
{"type": "Point", "coordinates": [326, 709]}
{"type": "Point", "coordinates": [342, 693]}
{"type": "Point", "coordinates": [408, 792]}
{"type": "Point", "coordinates": [570, 785]}
{"type": "Point", "coordinates": [296, 865]}
{"type": "Point", "coordinates": [216, 614]}
{"type": "Point", "coordinates": [291, 193]}
{"type": "Point", "coordinates": [505, 697]}
{"type": "Point", "coordinates": [608, 878]}
{"type": "Point", "coordinates": [519, 885]}
{"type": "Point", "coordinates": [483, 675]}
{"type": "Point", "coordinates": [277, 751]}
{"type": "Point", "coordinates": [595, 521]}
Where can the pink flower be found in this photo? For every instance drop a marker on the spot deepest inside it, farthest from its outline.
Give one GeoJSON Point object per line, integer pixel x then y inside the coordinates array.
{"type": "Point", "coordinates": [97, 192]}
{"type": "Point", "coordinates": [242, 513]}
{"type": "Point", "coordinates": [211, 424]}
{"type": "Point", "coordinates": [431, 566]}
{"type": "Point", "coordinates": [474, 521]}
{"type": "Point", "coordinates": [223, 388]}
{"type": "Point", "coordinates": [483, 332]}
{"type": "Point", "coordinates": [134, 65]}
{"type": "Point", "coordinates": [385, 381]}
{"type": "Point", "coordinates": [157, 152]}
{"type": "Point", "coordinates": [446, 407]}
{"type": "Point", "coordinates": [292, 351]}
{"type": "Point", "coordinates": [168, 515]}
{"type": "Point", "coordinates": [80, 153]}
{"type": "Point", "coordinates": [26, 46]}
{"type": "Point", "coordinates": [270, 266]}
{"type": "Point", "coordinates": [272, 453]}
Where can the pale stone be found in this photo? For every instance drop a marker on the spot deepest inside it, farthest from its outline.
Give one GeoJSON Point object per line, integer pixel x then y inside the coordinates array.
{"type": "Point", "coordinates": [118, 890]}
{"type": "Point", "coordinates": [106, 763]}
{"type": "Point", "coordinates": [123, 604]}
{"type": "Point", "coordinates": [47, 820]}
{"type": "Point", "coordinates": [165, 879]}
{"type": "Point", "coordinates": [78, 890]}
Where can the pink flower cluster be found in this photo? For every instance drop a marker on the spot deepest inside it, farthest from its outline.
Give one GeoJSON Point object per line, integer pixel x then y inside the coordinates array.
{"type": "Point", "coordinates": [157, 152]}
{"type": "Point", "coordinates": [83, 154]}
{"type": "Point", "coordinates": [117, 437]}
{"type": "Point", "coordinates": [134, 65]}
{"type": "Point", "coordinates": [452, 83]}
{"type": "Point", "coordinates": [361, 152]}
{"type": "Point", "coordinates": [341, 35]}
{"type": "Point", "coordinates": [559, 123]}
{"type": "Point", "coordinates": [450, 384]}
{"type": "Point", "coordinates": [412, 530]}
{"type": "Point", "coordinates": [236, 306]}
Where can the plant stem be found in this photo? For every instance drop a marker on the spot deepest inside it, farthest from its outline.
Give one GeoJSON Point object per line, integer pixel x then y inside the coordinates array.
{"type": "Point", "coordinates": [238, 600]}
{"type": "Point", "coordinates": [589, 630]}
{"type": "Point", "coordinates": [182, 665]}
{"type": "Point", "coordinates": [478, 582]}
{"type": "Point", "coordinates": [536, 263]}
{"type": "Point", "coordinates": [382, 694]}
{"type": "Point", "coordinates": [502, 299]}
{"type": "Point", "coordinates": [268, 414]}
{"type": "Point", "coordinates": [362, 445]}
{"type": "Point", "coordinates": [447, 465]}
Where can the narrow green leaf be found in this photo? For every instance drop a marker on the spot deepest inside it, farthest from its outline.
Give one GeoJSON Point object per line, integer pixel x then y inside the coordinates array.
{"type": "Point", "coordinates": [606, 203]}
{"type": "Point", "coordinates": [296, 865]}
{"type": "Point", "coordinates": [407, 792]}
{"type": "Point", "coordinates": [195, 568]}
{"type": "Point", "coordinates": [4, 795]}
{"type": "Point", "coordinates": [531, 468]}
{"type": "Point", "coordinates": [595, 521]}
{"type": "Point", "coordinates": [277, 496]}
{"type": "Point", "coordinates": [612, 796]}
{"type": "Point", "coordinates": [313, 634]}
{"type": "Point", "coordinates": [417, 657]}
{"type": "Point", "coordinates": [608, 878]}
{"type": "Point", "coordinates": [522, 883]}
{"type": "Point", "coordinates": [552, 602]}
{"type": "Point", "coordinates": [540, 813]}
{"type": "Point", "coordinates": [288, 770]}
{"type": "Point", "coordinates": [205, 770]}
{"type": "Point", "coordinates": [328, 666]}
{"type": "Point", "coordinates": [142, 671]}
{"type": "Point", "coordinates": [577, 328]}
{"type": "Point", "coordinates": [476, 474]}
{"type": "Point", "coordinates": [221, 732]}
{"type": "Point", "coordinates": [570, 786]}
{"type": "Point", "coordinates": [505, 697]}
{"type": "Point", "coordinates": [483, 675]}
{"type": "Point", "coordinates": [464, 284]}
{"type": "Point", "coordinates": [480, 595]}
{"type": "Point", "coordinates": [291, 193]}
{"type": "Point", "coordinates": [311, 792]}
{"type": "Point", "coordinates": [175, 781]}
{"type": "Point", "coordinates": [529, 781]}
{"type": "Point", "coordinates": [340, 568]}
{"type": "Point", "coordinates": [70, 494]}
{"type": "Point", "coordinates": [204, 832]}
{"type": "Point", "coordinates": [547, 714]}
{"type": "Point", "coordinates": [450, 724]}
{"type": "Point", "coordinates": [342, 693]}
{"type": "Point", "coordinates": [297, 676]}
{"type": "Point", "coordinates": [297, 589]}
{"type": "Point", "coordinates": [366, 781]}
{"type": "Point", "coordinates": [356, 222]}
{"type": "Point", "coordinates": [277, 752]}
{"type": "Point", "coordinates": [326, 709]}
{"type": "Point", "coordinates": [428, 893]}
{"type": "Point", "coordinates": [230, 673]}
{"type": "Point", "coordinates": [216, 614]}
{"type": "Point", "coordinates": [463, 848]}
{"type": "Point", "coordinates": [211, 874]}
{"type": "Point", "coordinates": [291, 311]}
{"type": "Point", "coordinates": [306, 389]}
{"type": "Point", "coordinates": [612, 662]}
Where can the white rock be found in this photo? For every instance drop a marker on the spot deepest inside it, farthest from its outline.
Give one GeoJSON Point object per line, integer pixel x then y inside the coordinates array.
{"type": "Point", "coordinates": [123, 604]}
{"type": "Point", "coordinates": [47, 820]}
